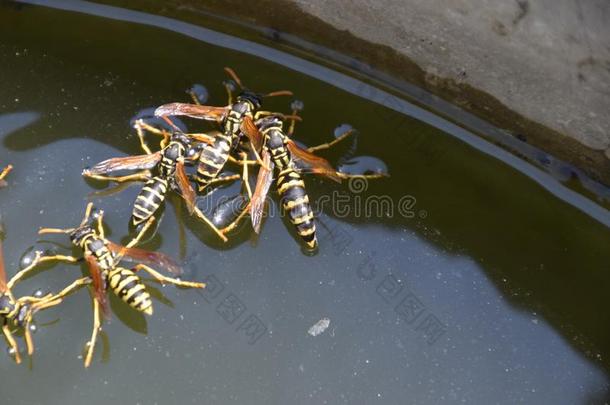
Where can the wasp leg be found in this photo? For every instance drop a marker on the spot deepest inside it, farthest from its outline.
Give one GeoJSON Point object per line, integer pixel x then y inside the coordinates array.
{"type": "Point", "coordinates": [15, 279]}
{"type": "Point", "coordinates": [167, 280]}
{"type": "Point", "coordinates": [61, 258]}
{"type": "Point", "coordinates": [222, 179]}
{"type": "Point", "coordinates": [193, 97]}
{"type": "Point", "coordinates": [5, 172]}
{"type": "Point", "coordinates": [245, 177]}
{"type": "Point", "coordinates": [261, 113]}
{"type": "Point", "coordinates": [229, 94]}
{"type": "Point", "coordinates": [141, 233]}
{"type": "Point", "coordinates": [144, 175]}
{"type": "Point", "coordinates": [243, 161]}
{"type": "Point", "coordinates": [57, 298]}
{"type": "Point", "coordinates": [361, 176]}
{"type": "Point", "coordinates": [140, 125]}
{"type": "Point", "coordinates": [237, 220]}
{"type": "Point", "coordinates": [12, 342]}
{"type": "Point", "coordinates": [332, 143]}
{"type": "Point", "coordinates": [96, 328]}
{"type": "Point", "coordinates": [205, 219]}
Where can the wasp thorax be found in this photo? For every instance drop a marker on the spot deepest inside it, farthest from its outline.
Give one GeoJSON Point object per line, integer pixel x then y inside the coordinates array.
{"type": "Point", "coordinates": [173, 151]}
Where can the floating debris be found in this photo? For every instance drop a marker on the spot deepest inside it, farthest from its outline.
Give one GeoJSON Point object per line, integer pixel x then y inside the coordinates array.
{"type": "Point", "coordinates": [319, 327]}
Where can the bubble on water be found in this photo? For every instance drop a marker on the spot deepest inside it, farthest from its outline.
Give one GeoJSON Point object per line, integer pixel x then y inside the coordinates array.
{"type": "Point", "coordinates": [11, 351]}
{"type": "Point", "coordinates": [200, 92]}
{"type": "Point", "coordinates": [28, 257]}
{"type": "Point", "coordinates": [38, 293]}
{"type": "Point", "coordinates": [297, 105]}
{"type": "Point", "coordinates": [230, 84]}
{"type": "Point", "coordinates": [33, 328]}
{"type": "Point", "coordinates": [319, 327]}
{"type": "Point", "coordinates": [147, 115]}
{"type": "Point", "coordinates": [364, 165]}
{"type": "Point", "coordinates": [342, 129]}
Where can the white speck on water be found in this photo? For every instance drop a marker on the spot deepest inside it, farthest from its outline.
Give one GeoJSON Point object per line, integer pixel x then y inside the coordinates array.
{"type": "Point", "coordinates": [319, 327]}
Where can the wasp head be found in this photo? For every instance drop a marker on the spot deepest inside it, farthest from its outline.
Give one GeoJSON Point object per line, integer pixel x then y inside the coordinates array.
{"type": "Point", "coordinates": [255, 100]}
{"type": "Point", "coordinates": [81, 234]}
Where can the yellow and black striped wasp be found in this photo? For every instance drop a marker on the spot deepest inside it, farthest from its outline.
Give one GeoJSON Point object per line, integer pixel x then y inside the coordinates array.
{"type": "Point", "coordinates": [18, 313]}
{"type": "Point", "coordinates": [103, 258]}
{"type": "Point", "coordinates": [3, 175]}
{"type": "Point", "coordinates": [280, 153]}
{"type": "Point", "coordinates": [231, 118]}
{"type": "Point", "coordinates": [169, 172]}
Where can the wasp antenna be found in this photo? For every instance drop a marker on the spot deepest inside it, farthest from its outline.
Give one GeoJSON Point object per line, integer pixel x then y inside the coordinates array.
{"type": "Point", "coordinates": [171, 123]}
{"type": "Point", "coordinates": [293, 117]}
{"type": "Point", "coordinates": [234, 76]}
{"type": "Point", "coordinates": [279, 93]}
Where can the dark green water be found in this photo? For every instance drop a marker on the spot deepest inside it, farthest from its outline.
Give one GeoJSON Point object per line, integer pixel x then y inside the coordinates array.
{"type": "Point", "coordinates": [516, 278]}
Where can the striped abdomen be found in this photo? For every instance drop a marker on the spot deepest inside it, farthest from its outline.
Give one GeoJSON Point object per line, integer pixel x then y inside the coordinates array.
{"type": "Point", "coordinates": [296, 203]}
{"type": "Point", "coordinates": [128, 287]}
{"type": "Point", "coordinates": [213, 158]}
{"type": "Point", "coordinates": [149, 200]}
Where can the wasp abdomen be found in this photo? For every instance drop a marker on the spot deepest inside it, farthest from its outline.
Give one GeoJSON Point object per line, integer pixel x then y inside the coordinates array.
{"type": "Point", "coordinates": [296, 203]}
{"type": "Point", "coordinates": [212, 159]}
{"type": "Point", "coordinates": [149, 200]}
{"type": "Point", "coordinates": [129, 288]}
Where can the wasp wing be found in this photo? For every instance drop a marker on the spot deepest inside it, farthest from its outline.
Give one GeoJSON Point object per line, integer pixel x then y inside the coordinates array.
{"type": "Point", "coordinates": [263, 182]}
{"type": "Point", "coordinates": [99, 286]}
{"type": "Point", "coordinates": [251, 131]}
{"type": "Point", "coordinates": [309, 163]}
{"type": "Point", "coordinates": [144, 256]}
{"type": "Point", "coordinates": [188, 194]}
{"type": "Point", "coordinates": [202, 112]}
{"type": "Point", "coordinates": [139, 162]}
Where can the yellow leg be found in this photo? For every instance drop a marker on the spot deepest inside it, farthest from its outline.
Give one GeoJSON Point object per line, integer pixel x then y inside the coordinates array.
{"type": "Point", "coordinates": [140, 125]}
{"type": "Point", "coordinates": [100, 225]}
{"type": "Point", "coordinates": [362, 176]}
{"type": "Point", "coordinates": [5, 172]}
{"type": "Point", "coordinates": [61, 258]}
{"type": "Point", "coordinates": [235, 223]}
{"type": "Point", "coordinates": [29, 342]}
{"type": "Point", "coordinates": [194, 97]}
{"type": "Point", "coordinates": [96, 328]}
{"type": "Point", "coordinates": [229, 93]}
{"type": "Point", "coordinates": [140, 234]}
{"type": "Point", "coordinates": [43, 231]}
{"type": "Point", "coordinates": [245, 178]}
{"type": "Point", "coordinates": [167, 280]}
{"type": "Point", "coordinates": [243, 161]}
{"type": "Point", "coordinates": [144, 175]}
{"type": "Point", "coordinates": [222, 179]}
{"type": "Point", "coordinates": [15, 279]}
{"type": "Point", "coordinates": [332, 143]}
{"type": "Point", "coordinates": [12, 343]}
{"type": "Point", "coordinates": [57, 298]}
{"type": "Point", "coordinates": [261, 113]}
{"type": "Point", "coordinates": [205, 219]}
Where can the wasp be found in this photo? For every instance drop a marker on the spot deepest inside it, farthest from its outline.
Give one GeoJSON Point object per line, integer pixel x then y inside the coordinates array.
{"type": "Point", "coordinates": [18, 313]}
{"type": "Point", "coordinates": [3, 174]}
{"type": "Point", "coordinates": [169, 172]}
{"type": "Point", "coordinates": [289, 161]}
{"type": "Point", "coordinates": [245, 109]}
{"type": "Point", "coordinates": [103, 258]}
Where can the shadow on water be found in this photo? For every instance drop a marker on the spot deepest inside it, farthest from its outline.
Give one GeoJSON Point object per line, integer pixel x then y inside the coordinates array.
{"type": "Point", "coordinates": [73, 76]}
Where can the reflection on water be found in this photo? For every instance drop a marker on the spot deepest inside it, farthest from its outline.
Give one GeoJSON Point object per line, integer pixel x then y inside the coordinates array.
{"type": "Point", "coordinates": [496, 295]}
